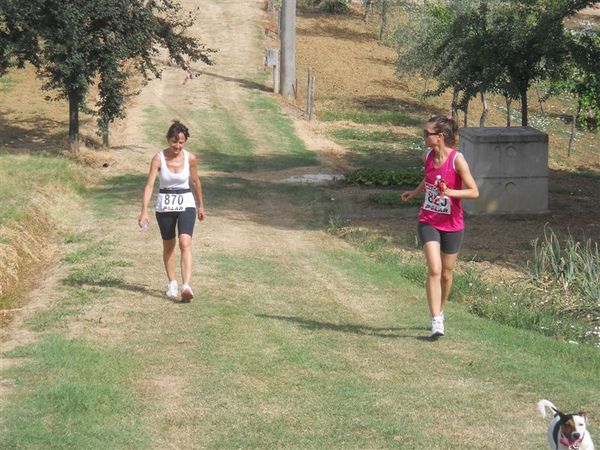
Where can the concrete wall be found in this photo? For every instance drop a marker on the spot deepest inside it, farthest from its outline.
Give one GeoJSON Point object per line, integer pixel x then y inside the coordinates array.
{"type": "Point", "coordinates": [510, 166]}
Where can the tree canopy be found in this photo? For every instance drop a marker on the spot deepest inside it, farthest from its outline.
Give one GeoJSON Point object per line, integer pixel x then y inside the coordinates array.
{"type": "Point", "coordinates": [74, 44]}
{"type": "Point", "coordinates": [500, 46]}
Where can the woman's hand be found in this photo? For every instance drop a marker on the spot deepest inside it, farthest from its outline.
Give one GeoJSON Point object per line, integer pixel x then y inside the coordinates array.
{"type": "Point", "coordinates": [408, 195]}
{"type": "Point", "coordinates": [201, 213]}
{"type": "Point", "coordinates": [143, 220]}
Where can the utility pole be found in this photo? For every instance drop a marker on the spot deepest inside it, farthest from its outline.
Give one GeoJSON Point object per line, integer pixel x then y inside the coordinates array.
{"type": "Point", "coordinates": [288, 48]}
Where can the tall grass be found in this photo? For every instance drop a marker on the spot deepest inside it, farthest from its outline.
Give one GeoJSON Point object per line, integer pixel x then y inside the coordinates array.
{"type": "Point", "coordinates": [559, 298]}
{"type": "Point", "coordinates": [571, 268]}
{"type": "Point", "coordinates": [23, 176]}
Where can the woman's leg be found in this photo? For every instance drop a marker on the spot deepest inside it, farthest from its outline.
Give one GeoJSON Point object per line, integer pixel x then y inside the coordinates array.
{"type": "Point", "coordinates": [434, 277]}
{"type": "Point", "coordinates": [169, 258]}
{"type": "Point", "coordinates": [185, 245]}
{"type": "Point", "coordinates": [448, 263]}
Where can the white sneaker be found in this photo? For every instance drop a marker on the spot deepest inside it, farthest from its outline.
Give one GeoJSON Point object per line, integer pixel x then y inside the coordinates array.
{"type": "Point", "coordinates": [437, 326]}
{"type": "Point", "coordinates": [172, 290]}
{"type": "Point", "coordinates": [186, 293]}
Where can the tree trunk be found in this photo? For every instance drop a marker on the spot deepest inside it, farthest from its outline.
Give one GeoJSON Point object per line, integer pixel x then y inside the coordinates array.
{"type": "Point", "coordinates": [454, 106]}
{"type": "Point", "coordinates": [537, 90]}
{"type": "Point", "coordinates": [383, 19]}
{"type": "Point", "coordinates": [572, 136]}
{"type": "Point", "coordinates": [485, 110]}
{"type": "Point", "coordinates": [74, 101]}
{"type": "Point", "coordinates": [105, 136]}
{"type": "Point", "coordinates": [466, 111]}
{"type": "Point", "coordinates": [368, 8]}
{"type": "Point", "coordinates": [524, 116]}
{"type": "Point", "coordinates": [508, 110]}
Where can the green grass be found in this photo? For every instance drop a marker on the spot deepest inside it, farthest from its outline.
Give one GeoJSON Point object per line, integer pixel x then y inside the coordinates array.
{"type": "Point", "coordinates": [116, 194]}
{"type": "Point", "coordinates": [382, 117]}
{"type": "Point", "coordinates": [380, 149]}
{"type": "Point", "coordinates": [6, 84]}
{"type": "Point", "coordinates": [23, 174]}
{"type": "Point", "coordinates": [96, 250]}
{"type": "Point", "coordinates": [279, 135]}
{"type": "Point", "coordinates": [221, 144]}
{"type": "Point", "coordinates": [70, 394]}
{"type": "Point", "coordinates": [392, 200]}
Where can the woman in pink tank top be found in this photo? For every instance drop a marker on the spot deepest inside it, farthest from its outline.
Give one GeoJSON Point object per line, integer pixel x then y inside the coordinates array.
{"type": "Point", "coordinates": [441, 225]}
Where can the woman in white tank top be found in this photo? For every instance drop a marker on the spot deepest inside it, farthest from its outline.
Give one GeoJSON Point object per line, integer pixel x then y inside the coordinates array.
{"type": "Point", "coordinates": [176, 207]}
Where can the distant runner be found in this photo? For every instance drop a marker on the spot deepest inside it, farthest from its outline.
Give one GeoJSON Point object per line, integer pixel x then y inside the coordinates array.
{"type": "Point", "coordinates": [441, 225]}
{"type": "Point", "coordinates": [187, 67]}
{"type": "Point", "coordinates": [175, 205]}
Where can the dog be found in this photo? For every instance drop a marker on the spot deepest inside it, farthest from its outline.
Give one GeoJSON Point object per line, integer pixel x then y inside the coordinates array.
{"type": "Point", "coordinates": [566, 431]}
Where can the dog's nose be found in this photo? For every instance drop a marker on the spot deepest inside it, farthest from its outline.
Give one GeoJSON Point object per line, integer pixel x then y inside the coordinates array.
{"type": "Point", "coordinates": [576, 436]}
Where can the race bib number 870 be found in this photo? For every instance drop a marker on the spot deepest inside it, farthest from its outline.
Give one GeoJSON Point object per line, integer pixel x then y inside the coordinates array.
{"type": "Point", "coordinates": [174, 202]}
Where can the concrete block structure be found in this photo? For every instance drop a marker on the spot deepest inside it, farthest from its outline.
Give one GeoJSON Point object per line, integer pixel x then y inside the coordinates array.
{"type": "Point", "coordinates": [510, 166]}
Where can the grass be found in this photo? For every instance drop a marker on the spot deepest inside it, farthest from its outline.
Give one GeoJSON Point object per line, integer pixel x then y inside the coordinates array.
{"type": "Point", "coordinates": [70, 394]}
{"type": "Point", "coordinates": [221, 144]}
{"type": "Point", "coordinates": [6, 84]}
{"type": "Point", "coordinates": [383, 117]}
{"type": "Point", "coordinates": [295, 342]}
{"type": "Point", "coordinates": [24, 174]}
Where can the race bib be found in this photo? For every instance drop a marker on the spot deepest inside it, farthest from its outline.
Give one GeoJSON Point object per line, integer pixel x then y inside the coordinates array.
{"type": "Point", "coordinates": [434, 201]}
{"type": "Point", "coordinates": [174, 202]}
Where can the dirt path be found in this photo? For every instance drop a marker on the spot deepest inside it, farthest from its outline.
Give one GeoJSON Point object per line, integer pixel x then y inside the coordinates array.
{"type": "Point", "coordinates": [280, 296]}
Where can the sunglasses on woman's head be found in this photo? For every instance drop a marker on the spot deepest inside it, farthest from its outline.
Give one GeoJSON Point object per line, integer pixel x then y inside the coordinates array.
{"type": "Point", "coordinates": [428, 133]}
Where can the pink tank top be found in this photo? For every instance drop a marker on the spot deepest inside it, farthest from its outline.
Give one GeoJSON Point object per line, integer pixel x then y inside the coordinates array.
{"type": "Point", "coordinates": [443, 213]}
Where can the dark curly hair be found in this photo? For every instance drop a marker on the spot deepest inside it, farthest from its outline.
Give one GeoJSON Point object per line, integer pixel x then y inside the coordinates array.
{"type": "Point", "coordinates": [446, 126]}
{"type": "Point", "coordinates": [176, 128]}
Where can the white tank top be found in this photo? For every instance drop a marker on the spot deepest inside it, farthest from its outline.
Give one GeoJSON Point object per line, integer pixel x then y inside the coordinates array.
{"type": "Point", "coordinates": [170, 180]}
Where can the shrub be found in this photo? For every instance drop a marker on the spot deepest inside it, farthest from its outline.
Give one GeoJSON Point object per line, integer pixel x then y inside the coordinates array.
{"type": "Point", "coordinates": [384, 177]}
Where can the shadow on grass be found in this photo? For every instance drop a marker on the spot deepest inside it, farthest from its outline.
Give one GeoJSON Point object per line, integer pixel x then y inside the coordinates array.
{"type": "Point", "coordinates": [222, 161]}
{"type": "Point", "coordinates": [322, 28]}
{"type": "Point", "coordinates": [33, 136]}
{"type": "Point", "coordinates": [246, 84]}
{"type": "Point", "coordinates": [280, 205]}
{"type": "Point", "coordinates": [118, 191]}
{"type": "Point", "coordinates": [363, 330]}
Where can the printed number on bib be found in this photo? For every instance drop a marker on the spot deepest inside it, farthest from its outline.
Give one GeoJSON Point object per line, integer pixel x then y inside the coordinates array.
{"type": "Point", "coordinates": [434, 201]}
{"type": "Point", "coordinates": [173, 202]}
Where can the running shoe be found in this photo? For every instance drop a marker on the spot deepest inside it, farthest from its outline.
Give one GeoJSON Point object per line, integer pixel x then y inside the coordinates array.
{"type": "Point", "coordinates": [172, 290]}
{"type": "Point", "coordinates": [186, 293]}
{"type": "Point", "coordinates": [437, 326]}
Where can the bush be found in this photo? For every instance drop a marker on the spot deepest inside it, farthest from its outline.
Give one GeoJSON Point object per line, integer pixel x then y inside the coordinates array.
{"type": "Point", "coordinates": [383, 177]}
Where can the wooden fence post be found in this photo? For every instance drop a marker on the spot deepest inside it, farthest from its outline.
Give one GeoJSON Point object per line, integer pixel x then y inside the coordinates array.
{"type": "Point", "coordinates": [310, 94]}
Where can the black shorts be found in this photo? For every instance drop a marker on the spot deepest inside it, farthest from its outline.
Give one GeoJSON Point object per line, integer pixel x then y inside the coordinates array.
{"type": "Point", "coordinates": [450, 241]}
{"type": "Point", "coordinates": [183, 220]}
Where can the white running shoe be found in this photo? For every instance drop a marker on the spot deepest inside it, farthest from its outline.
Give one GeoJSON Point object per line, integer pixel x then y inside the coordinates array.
{"type": "Point", "coordinates": [437, 326]}
{"type": "Point", "coordinates": [186, 293]}
{"type": "Point", "coordinates": [172, 290]}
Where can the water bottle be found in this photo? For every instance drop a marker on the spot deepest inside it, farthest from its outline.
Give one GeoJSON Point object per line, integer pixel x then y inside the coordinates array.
{"type": "Point", "coordinates": [144, 225]}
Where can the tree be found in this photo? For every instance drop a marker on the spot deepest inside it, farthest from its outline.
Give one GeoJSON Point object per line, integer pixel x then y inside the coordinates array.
{"type": "Point", "coordinates": [76, 43]}
{"type": "Point", "coordinates": [580, 78]}
{"type": "Point", "coordinates": [499, 45]}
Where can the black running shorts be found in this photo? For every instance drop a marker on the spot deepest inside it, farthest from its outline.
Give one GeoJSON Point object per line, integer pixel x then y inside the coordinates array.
{"type": "Point", "coordinates": [450, 241]}
{"type": "Point", "coordinates": [184, 221]}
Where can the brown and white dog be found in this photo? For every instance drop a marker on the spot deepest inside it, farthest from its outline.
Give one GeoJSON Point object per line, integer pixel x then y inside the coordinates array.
{"type": "Point", "coordinates": [566, 431]}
